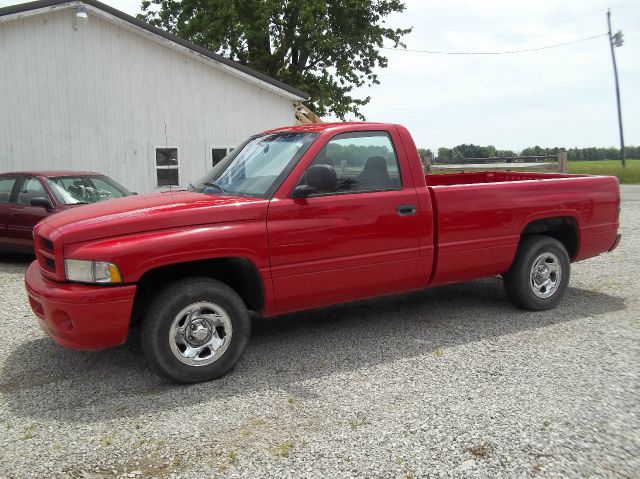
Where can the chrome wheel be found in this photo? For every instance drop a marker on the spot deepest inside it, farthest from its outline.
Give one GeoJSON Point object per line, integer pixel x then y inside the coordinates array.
{"type": "Point", "coordinates": [200, 334]}
{"type": "Point", "coordinates": [546, 275]}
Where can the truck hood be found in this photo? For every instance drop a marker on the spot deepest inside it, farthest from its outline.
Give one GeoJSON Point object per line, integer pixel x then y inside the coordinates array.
{"type": "Point", "coordinates": [137, 214]}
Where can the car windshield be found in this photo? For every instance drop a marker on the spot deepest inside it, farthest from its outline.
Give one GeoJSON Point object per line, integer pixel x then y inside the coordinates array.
{"type": "Point", "coordinates": [258, 167]}
{"type": "Point", "coordinates": [73, 190]}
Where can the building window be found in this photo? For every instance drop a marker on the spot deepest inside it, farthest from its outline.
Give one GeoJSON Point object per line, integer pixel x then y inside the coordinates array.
{"type": "Point", "coordinates": [218, 153]}
{"type": "Point", "coordinates": [167, 173]}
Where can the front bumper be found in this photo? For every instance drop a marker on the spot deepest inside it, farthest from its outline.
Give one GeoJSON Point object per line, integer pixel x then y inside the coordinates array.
{"type": "Point", "coordinates": [80, 316]}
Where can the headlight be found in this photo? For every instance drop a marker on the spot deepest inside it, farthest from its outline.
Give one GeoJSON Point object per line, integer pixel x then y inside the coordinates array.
{"type": "Point", "coordinates": [91, 271]}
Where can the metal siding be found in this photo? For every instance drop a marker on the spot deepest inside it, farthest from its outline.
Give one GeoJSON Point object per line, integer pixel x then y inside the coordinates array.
{"type": "Point", "coordinates": [5, 123]}
{"type": "Point", "coordinates": [102, 98]}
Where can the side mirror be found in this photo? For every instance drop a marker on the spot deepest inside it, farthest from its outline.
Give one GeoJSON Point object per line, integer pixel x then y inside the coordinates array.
{"type": "Point", "coordinates": [43, 202]}
{"type": "Point", "coordinates": [134, 192]}
{"type": "Point", "coordinates": [319, 179]}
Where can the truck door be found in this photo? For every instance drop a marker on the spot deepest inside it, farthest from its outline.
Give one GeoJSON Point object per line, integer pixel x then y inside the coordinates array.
{"type": "Point", "coordinates": [358, 240]}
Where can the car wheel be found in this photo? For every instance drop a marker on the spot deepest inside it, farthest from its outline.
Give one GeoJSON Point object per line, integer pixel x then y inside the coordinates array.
{"type": "Point", "coordinates": [539, 275]}
{"type": "Point", "coordinates": [195, 330]}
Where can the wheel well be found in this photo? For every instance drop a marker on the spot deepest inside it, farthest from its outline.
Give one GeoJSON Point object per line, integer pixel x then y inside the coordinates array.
{"type": "Point", "coordinates": [238, 273]}
{"type": "Point", "coordinates": [562, 228]}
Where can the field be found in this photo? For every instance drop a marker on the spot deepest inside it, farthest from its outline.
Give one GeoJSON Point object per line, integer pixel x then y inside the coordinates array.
{"type": "Point", "coordinates": [628, 175]}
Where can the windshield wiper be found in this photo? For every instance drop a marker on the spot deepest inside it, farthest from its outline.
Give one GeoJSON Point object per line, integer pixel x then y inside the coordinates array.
{"type": "Point", "coordinates": [215, 185]}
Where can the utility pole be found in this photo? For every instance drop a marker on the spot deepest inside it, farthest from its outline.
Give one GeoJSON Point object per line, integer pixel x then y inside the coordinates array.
{"type": "Point", "coordinates": [617, 41]}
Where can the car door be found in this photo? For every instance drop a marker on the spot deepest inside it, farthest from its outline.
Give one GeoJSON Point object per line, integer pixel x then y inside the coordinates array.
{"type": "Point", "coordinates": [7, 185]}
{"type": "Point", "coordinates": [22, 215]}
{"type": "Point", "coordinates": [358, 240]}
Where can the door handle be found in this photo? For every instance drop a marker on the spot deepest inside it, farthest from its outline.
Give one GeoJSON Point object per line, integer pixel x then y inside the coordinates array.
{"type": "Point", "coordinates": [406, 210]}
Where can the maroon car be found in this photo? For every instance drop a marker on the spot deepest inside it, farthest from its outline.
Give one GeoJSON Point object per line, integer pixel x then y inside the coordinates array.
{"type": "Point", "coordinates": [26, 197]}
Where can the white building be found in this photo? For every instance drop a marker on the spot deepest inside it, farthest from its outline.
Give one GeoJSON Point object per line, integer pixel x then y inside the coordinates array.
{"type": "Point", "coordinates": [86, 87]}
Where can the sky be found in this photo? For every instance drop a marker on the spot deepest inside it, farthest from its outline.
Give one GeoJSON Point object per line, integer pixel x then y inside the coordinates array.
{"type": "Point", "coordinates": [556, 97]}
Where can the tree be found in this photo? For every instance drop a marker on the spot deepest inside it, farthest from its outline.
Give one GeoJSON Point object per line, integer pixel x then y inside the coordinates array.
{"type": "Point", "coordinates": [503, 153]}
{"type": "Point", "coordinates": [488, 151]}
{"type": "Point", "coordinates": [472, 151]}
{"type": "Point", "coordinates": [534, 151]}
{"type": "Point", "coordinates": [457, 155]}
{"type": "Point", "coordinates": [323, 47]}
{"type": "Point", "coordinates": [444, 155]}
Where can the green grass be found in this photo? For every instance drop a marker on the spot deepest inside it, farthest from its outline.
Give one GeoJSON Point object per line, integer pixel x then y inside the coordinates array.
{"type": "Point", "coordinates": [283, 449]}
{"type": "Point", "coordinates": [356, 423]}
{"type": "Point", "coordinates": [628, 175]}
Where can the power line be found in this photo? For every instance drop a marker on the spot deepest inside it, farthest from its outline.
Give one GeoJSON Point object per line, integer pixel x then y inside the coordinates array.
{"type": "Point", "coordinates": [507, 52]}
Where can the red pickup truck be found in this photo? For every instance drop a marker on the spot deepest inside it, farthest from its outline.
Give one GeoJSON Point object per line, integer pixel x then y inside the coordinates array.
{"type": "Point", "coordinates": [297, 218]}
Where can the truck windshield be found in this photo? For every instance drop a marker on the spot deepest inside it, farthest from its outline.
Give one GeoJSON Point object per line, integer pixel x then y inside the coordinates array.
{"type": "Point", "coordinates": [257, 167]}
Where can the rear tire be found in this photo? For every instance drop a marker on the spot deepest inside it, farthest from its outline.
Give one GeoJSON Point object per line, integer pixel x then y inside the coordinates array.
{"type": "Point", "coordinates": [195, 330]}
{"type": "Point", "coordinates": [539, 275]}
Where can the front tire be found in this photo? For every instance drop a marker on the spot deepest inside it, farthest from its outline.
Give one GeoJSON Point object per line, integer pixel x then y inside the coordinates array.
{"type": "Point", "coordinates": [539, 275]}
{"type": "Point", "coordinates": [195, 330]}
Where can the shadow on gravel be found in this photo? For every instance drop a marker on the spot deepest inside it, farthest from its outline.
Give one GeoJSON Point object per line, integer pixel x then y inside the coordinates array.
{"type": "Point", "coordinates": [41, 379]}
{"type": "Point", "coordinates": [14, 258]}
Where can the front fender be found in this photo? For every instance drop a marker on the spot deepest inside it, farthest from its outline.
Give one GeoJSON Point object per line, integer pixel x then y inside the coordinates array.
{"type": "Point", "coordinates": [139, 253]}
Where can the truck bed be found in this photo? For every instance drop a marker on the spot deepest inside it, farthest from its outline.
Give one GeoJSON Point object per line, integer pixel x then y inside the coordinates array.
{"type": "Point", "coordinates": [480, 216]}
{"type": "Point", "coordinates": [490, 177]}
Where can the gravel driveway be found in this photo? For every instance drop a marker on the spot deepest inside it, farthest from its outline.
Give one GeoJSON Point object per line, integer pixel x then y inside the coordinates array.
{"type": "Point", "coordinates": [450, 382]}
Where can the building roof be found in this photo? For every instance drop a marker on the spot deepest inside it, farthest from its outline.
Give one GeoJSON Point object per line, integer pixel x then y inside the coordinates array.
{"type": "Point", "coordinates": [42, 6]}
{"type": "Point", "coordinates": [52, 173]}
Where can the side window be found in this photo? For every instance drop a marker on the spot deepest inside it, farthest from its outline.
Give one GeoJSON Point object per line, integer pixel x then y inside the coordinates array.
{"type": "Point", "coordinates": [30, 189]}
{"type": "Point", "coordinates": [167, 173]}
{"type": "Point", "coordinates": [363, 161]}
{"type": "Point", "coordinates": [6, 186]}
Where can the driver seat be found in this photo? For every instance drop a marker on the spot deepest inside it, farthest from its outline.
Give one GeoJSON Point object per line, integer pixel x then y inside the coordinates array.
{"type": "Point", "coordinates": [375, 174]}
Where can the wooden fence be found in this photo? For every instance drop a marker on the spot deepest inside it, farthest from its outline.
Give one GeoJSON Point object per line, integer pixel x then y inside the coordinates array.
{"type": "Point", "coordinates": [555, 163]}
